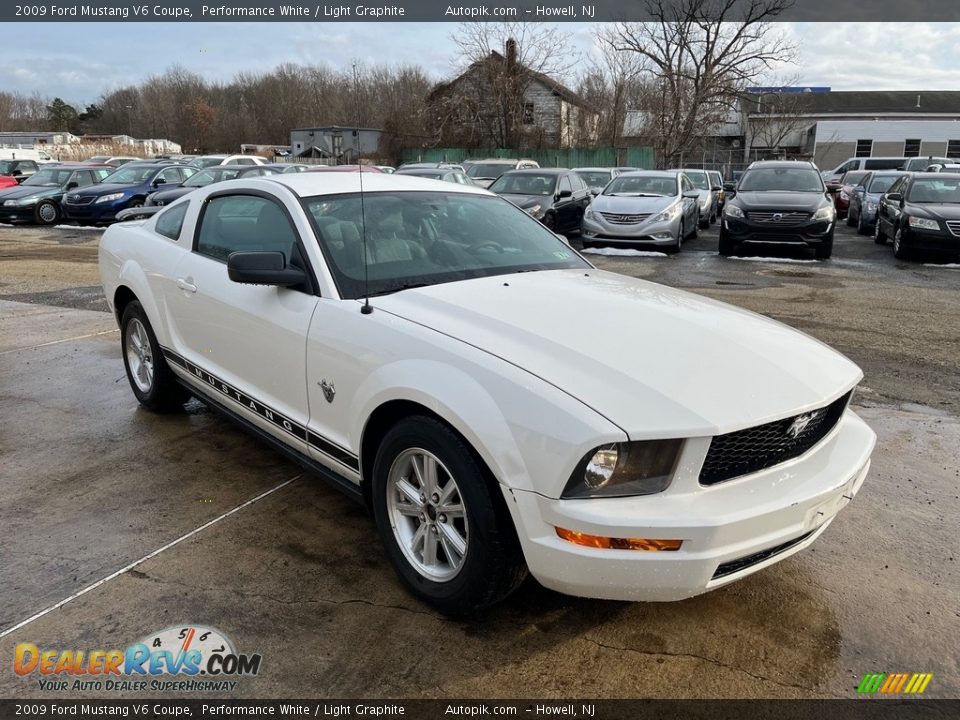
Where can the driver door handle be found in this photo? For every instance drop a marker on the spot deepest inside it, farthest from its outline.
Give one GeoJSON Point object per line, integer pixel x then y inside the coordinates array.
{"type": "Point", "coordinates": [184, 285]}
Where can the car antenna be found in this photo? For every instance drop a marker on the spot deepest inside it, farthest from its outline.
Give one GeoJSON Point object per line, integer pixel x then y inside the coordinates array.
{"type": "Point", "coordinates": [365, 309]}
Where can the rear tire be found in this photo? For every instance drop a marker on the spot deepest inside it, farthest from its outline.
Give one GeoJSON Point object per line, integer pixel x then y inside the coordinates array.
{"type": "Point", "coordinates": [861, 228]}
{"type": "Point", "coordinates": [443, 521]}
{"type": "Point", "coordinates": [151, 379]}
{"type": "Point", "coordinates": [849, 219]}
{"type": "Point", "coordinates": [704, 222]}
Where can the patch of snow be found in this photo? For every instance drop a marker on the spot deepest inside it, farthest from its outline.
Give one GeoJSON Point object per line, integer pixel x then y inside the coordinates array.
{"type": "Point", "coordinates": [622, 252]}
{"type": "Point", "coordinates": [92, 228]}
{"type": "Point", "coordinates": [951, 266]}
{"type": "Point", "coordinates": [772, 259]}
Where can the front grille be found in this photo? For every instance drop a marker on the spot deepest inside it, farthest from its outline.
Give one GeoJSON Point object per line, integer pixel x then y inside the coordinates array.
{"type": "Point", "coordinates": [747, 451]}
{"type": "Point", "coordinates": [729, 568]}
{"type": "Point", "coordinates": [778, 218]}
{"type": "Point", "coordinates": [954, 226]}
{"type": "Point", "coordinates": [79, 200]}
{"type": "Point", "coordinates": [617, 219]}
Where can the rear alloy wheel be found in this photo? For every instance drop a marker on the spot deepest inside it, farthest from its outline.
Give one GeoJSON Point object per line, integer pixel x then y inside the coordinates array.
{"type": "Point", "coordinates": [443, 521]}
{"type": "Point", "coordinates": [899, 251]}
{"type": "Point", "coordinates": [150, 377]}
{"type": "Point", "coordinates": [47, 213]}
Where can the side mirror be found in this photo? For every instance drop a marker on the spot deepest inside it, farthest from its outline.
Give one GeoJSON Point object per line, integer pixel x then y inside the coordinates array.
{"type": "Point", "coordinates": [716, 188]}
{"type": "Point", "coordinates": [692, 194]}
{"type": "Point", "coordinates": [71, 185]}
{"type": "Point", "coordinates": [564, 194]}
{"type": "Point", "coordinates": [595, 191]}
{"type": "Point", "coordinates": [729, 185]}
{"type": "Point", "coordinates": [158, 182]}
{"type": "Point", "coordinates": [895, 197]}
{"type": "Point", "coordinates": [263, 268]}
{"type": "Point", "coordinates": [16, 173]}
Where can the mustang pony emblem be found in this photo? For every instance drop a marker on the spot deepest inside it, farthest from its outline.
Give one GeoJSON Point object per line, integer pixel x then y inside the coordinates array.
{"type": "Point", "coordinates": [800, 423]}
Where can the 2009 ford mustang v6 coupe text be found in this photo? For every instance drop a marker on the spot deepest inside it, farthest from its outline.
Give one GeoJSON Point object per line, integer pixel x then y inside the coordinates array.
{"type": "Point", "coordinates": [498, 403]}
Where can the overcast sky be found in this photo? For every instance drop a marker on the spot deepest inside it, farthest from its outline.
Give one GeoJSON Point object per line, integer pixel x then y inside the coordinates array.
{"type": "Point", "coordinates": [81, 61]}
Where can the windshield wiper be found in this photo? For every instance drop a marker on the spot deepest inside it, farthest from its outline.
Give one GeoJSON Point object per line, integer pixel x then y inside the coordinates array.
{"type": "Point", "coordinates": [390, 291]}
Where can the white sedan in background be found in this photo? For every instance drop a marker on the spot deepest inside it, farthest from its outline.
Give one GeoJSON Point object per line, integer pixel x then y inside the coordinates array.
{"type": "Point", "coordinates": [497, 402]}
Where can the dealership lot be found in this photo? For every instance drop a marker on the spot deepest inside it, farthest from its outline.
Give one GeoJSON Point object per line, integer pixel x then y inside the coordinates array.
{"type": "Point", "coordinates": [92, 483]}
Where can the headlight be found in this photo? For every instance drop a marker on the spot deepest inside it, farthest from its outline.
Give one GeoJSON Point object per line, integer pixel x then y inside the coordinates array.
{"type": "Point", "coordinates": [11, 203]}
{"type": "Point", "coordinates": [588, 213]}
{"type": "Point", "coordinates": [732, 211]}
{"type": "Point", "coordinates": [923, 223]}
{"type": "Point", "coordinates": [871, 206]}
{"type": "Point", "coordinates": [623, 469]}
{"type": "Point", "coordinates": [825, 213]}
{"type": "Point", "coordinates": [20, 201]}
{"type": "Point", "coordinates": [108, 198]}
{"type": "Point", "coordinates": [669, 214]}
{"type": "Point", "coordinates": [534, 210]}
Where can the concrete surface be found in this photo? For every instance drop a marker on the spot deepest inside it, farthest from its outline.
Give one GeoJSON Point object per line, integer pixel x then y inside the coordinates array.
{"type": "Point", "coordinates": [89, 483]}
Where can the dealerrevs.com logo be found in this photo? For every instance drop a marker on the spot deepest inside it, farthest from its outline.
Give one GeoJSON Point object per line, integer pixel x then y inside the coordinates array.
{"type": "Point", "coordinates": [180, 658]}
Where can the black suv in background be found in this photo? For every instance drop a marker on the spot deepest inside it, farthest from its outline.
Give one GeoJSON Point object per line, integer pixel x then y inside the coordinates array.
{"type": "Point", "coordinates": [780, 202]}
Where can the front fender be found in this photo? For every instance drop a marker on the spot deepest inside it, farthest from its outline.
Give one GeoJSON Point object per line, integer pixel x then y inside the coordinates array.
{"type": "Point", "coordinates": [528, 433]}
{"type": "Point", "coordinates": [133, 277]}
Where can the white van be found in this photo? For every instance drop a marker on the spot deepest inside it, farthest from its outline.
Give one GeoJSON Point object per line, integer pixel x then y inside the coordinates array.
{"type": "Point", "coordinates": [19, 153]}
{"type": "Point", "coordinates": [910, 164]}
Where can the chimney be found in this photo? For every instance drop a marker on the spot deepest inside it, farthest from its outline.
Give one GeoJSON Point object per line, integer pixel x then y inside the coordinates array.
{"type": "Point", "coordinates": [511, 55]}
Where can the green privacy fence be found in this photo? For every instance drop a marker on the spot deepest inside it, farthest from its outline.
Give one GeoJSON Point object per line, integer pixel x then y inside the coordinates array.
{"type": "Point", "coordinates": [639, 157]}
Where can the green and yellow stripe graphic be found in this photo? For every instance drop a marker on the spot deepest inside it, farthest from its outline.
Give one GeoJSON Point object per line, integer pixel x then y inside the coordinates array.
{"type": "Point", "coordinates": [894, 683]}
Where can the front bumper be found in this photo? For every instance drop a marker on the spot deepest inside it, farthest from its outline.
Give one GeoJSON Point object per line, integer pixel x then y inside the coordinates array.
{"type": "Point", "coordinates": [720, 525]}
{"type": "Point", "coordinates": [812, 233]}
{"type": "Point", "coordinates": [94, 212]}
{"type": "Point", "coordinates": [939, 240]}
{"type": "Point", "coordinates": [646, 232]}
{"type": "Point", "coordinates": [17, 214]}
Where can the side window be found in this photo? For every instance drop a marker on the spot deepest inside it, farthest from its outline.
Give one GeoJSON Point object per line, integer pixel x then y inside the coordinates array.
{"type": "Point", "coordinates": [897, 186]}
{"type": "Point", "coordinates": [564, 185]}
{"type": "Point", "coordinates": [170, 175]}
{"type": "Point", "coordinates": [687, 186]}
{"type": "Point", "coordinates": [243, 161]}
{"type": "Point", "coordinates": [82, 178]}
{"type": "Point", "coordinates": [170, 221]}
{"type": "Point", "coordinates": [244, 223]}
{"type": "Point", "coordinates": [101, 173]}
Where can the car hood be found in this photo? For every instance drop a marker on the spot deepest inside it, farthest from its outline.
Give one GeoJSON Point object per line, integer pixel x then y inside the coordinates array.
{"type": "Point", "coordinates": [19, 191]}
{"type": "Point", "coordinates": [656, 361]}
{"type": "Point", "coordinates": [523, 201]}
{"type": "Point", "coordinates": [630, 205]}
{"type": "Point", "coordinates": [102, 189]}
{"type": "Point", "coordinates": [752, 199]}
{"type": "Point", "coordinates": [938, 211]}
{"type": "Point", "coordinates": [168, 196]}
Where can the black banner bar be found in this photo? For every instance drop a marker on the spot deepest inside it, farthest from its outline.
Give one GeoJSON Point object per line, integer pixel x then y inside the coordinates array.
{"type": "Point", "coordinates": [308, 11]}
{"type": "Point", "coordinates": [854, 709]}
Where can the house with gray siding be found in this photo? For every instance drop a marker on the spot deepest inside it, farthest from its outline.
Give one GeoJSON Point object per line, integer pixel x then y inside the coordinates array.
{"type": "Point", "coordinates": [499, 102]}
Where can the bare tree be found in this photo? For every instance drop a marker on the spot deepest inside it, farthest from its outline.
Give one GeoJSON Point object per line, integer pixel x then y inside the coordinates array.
{"type": "Point", "coordinates": [699, 56]}
{"type": "Point", "coordinates": [498, 62]}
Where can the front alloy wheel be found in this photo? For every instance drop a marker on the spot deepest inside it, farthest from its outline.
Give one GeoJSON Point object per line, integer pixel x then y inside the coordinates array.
{"type": "Point", "coordinates": [139, 356]}
{"type": "Point", "coordinates": [427, 514]}
{"type": "Point", "coordinates": [899, 251]}
{"type": "Point", "coordinates": [442, 519]}
{"type": "Point", "coordinates": [151, 379]}
{"type": "Point", "coordinates": [47, 213]}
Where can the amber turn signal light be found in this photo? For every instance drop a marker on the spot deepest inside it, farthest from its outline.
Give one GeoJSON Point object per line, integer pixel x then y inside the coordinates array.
{"type": "Point", "coordinates": [609, 543]}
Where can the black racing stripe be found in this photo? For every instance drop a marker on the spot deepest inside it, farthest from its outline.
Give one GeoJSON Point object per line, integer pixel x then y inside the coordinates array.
{"type": "Point", "coordinates": [278, 419]}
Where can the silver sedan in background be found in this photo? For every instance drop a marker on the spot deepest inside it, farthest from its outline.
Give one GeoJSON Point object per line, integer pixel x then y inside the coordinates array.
{"type": "Point", "coordinates": [647, 206]}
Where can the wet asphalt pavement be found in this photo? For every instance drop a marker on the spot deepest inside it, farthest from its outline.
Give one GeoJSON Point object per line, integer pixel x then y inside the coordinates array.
{"type": "Point", "coordinates": [90, 483]}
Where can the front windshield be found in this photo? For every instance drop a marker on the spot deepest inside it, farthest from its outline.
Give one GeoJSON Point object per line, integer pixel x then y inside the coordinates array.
{"type": "Point", "coordinates": [525, 184]}
{"type": "Point", "coordinates": [428, 238]}
{"type": "Point", "coordinates": [206, 162]}
{"type": "Point", "coordinates": [781, 179]}
{"type": "Point", "coordinates": [49, 176]}
{"type": "Point", "coordinates": [699, 180]}
{"type": "Point", "coordinates": [206, 177]}
{"type": "Point", "coordinates": [594, 179]}
{"type": "Point", "coordinates": [881, 183]}
{"type": "Point", "coordinates": [130, 175]}
{"type": "Point", "coordinates": [642, 186]}
{"type": "Point", "coordinates": [490, 170]}
{"type": "Point", "coordinates": [853, 178]}
{"type": "Point", "coordinates": [939, 190]}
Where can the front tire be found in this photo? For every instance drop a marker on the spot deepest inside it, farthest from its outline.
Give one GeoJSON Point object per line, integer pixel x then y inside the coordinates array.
{"type": "Point", "coordinates": [678, 243]}
{"type": "Point", "coordinates": [704, 222]}
{"type": "Point", "coordinates": [861, 227]}
{"type": "Point", "coordinates": [152, 381]}
{"type": "Point", "coordinates": [445, 526]}
{"type": "Point", "coordinates": [878, 237]}
{"type": "Point", "coordinates": [47, 213]}
{"type": "Point", "coordinates": [727, 246]}
{"type": "Point", "coordinates": [900, 252]}
{"type": "Point", "coordinates": [824, 250]}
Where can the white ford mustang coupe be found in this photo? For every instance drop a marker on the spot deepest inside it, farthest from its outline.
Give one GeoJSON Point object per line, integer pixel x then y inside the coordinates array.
{"type": "Point", "coordinates": [497, 402]}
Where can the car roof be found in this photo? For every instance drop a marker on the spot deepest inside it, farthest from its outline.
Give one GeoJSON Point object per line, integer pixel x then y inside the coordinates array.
{"type": "Point", "coordinates": [309, 184]}
{"type": "Point", "coordinates": [784, 163]}
{"type": "Point", "coordinates": [651, 173]}
{"type": "Point", "coordinates": [592, 169]}
{"type": "Point", "coordinates": [538, 171]}
{"type": "Point", "coordinates": [934, 176]}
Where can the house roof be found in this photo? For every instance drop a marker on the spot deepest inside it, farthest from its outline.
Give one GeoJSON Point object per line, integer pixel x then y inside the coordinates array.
{"type": "Point", "coordinates": [910, 102]}
{"type": "Point", "coordinates": [556, 86]}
